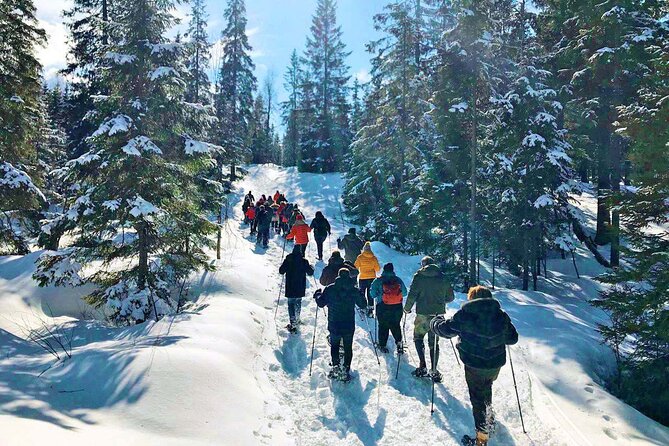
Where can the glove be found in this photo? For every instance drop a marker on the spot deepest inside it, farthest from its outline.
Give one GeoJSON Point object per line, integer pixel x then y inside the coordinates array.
{"type": "Point", "coordinates": [436, 320]}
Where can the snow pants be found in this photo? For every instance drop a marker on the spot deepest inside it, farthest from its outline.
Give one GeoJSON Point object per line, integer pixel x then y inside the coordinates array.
{"type": "Point", "coordinates": [365, 285]}
{"type": "Point", "coordinates": [294, 309]}
{"type": "Point", "coordinates": [389, 317]}
{"type": "Point", "coordinates": [319, 246]}
{"type": "Point", "coordinates": [263, 236]}
{"type": "Point", "coordinates": [336, 337]}
{"type": "Point", "coordinates": [479, 382]}
{"type": "Point", "coordinates": [420, 329]}
{"type": "Point", "coordinates": [303, 249]}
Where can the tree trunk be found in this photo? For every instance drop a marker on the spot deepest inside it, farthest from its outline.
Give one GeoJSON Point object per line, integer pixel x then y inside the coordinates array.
{"type": "Point", "coordinates": [603, 187]}
{"type": "Point", "coordinates": [465, 255]}
{"type": "Point", "coordinates": [616, 173]}
{"type": "Point", "coordinates": [472, 204]}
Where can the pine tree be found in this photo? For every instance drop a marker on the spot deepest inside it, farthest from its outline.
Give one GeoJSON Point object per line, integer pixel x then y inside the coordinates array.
{"type": "Point", "coordinates": [637, 299]}
{"type": "Point", "coordinates": [19, 122]}
{"type": "Point", "coordinates": [138, 212]}
{"type": "Point", "coordinates": [291, 113]}
{"type": "Point", "coordinates": [326, 134]}
{"type": "Point", "coordinates": [236, 85]}
{"type": "Point", "coordinates": [198, 51]}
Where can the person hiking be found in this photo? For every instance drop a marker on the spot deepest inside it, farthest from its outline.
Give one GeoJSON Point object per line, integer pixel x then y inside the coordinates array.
{"type": "Point", "coordinates": [251, 217]}
{"type": "Point", "coordinates": [369, 267]}
{"type": "Point", "coordinates": [296, 268]}
{"type": "Point", "coordinates": [280, 216]}
{"type": "Point", "coordinates": [322, 230]}
{"type": "Point", "coordinates": [300, 233]}
{"type": "Point", "coordinates": [250, 198]}
{"type": "Point", "coordinates": [264, 219]}
{"type": "Point", "coordinates": [277, 196]}
{"type": "Point", "coordinates": [275, 215]}
{"type": "Point", "coordinates": [294, 215]}
{"type": "Point", "coordinates": [388, 292]}
{"type": "Point", "coordinates": [331, 271]}
{"type": "Point", "coordinates": [351, 244]}
{"type": "Point", "coordinates": [430, 291]}
{"type": "Point", "coordinates": [254, 224]}
{"type": "Point", "coordinates": [484, 331]}
{"type": "Point", "coordinates": [341, 298]}
{"type": "Point", "coordinates": [245, 207]}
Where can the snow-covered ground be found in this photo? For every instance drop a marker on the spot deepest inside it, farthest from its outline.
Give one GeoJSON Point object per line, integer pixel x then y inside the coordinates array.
{"type": "Point", "coordinates": [224, 373]}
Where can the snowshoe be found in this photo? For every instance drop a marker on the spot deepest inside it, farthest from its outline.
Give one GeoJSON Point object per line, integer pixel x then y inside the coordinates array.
{"type": "Point", "coordinates": [436, 376]}
{"type": "Point", "coordinates": [400, 348]}
{"type": "Point", "coordinates": [334, 372]}
{"type": "Point", "coordinates": [370, 313]}
{"type": "Point", "coordinates": [420, 372]}
{"type": "Point", "coordinates": [292, 329]}
{"type": "Point", "coordinates": [382, 349]}
{"type": "Point", "coordinates": [481, 439]}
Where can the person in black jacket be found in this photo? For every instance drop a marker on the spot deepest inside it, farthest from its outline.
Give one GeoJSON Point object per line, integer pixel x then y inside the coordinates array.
{"type": "Point", "coordinates": [296, 268]}
{"type": "Point", "coordinates": [264, 222]}
{"type": "Point", "coordinates": [321, 227]}
{"type": "Point", "coordinates": [484, 331]}
{"type": "Point", "coordinates": [331, 271]}
{"type": "Point", "coordinates": [341, 299]}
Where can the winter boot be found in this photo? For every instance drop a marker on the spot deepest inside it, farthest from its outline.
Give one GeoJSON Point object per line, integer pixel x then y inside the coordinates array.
{"type": "Point", "coordinates": [480, 440]}
{"type": "Point", "coordinates": [382, 349]}
{"type": "Point", "coordinates": [436, 376]}
{"type": "Point", "coordinates": [420, 372]}
{"type": "Point", "coordinates": [334, 371]}
{"type": "Point", "coordinates": [292, 328]}
{"type": "Point", "coordinates": [370, 313]}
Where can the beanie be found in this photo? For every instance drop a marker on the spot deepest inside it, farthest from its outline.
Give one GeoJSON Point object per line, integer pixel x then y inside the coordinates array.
{"type": "Point", "coordinates": [351, 231]}
{"type": "Point", "coordinates": [367, 247]}
{"type": "Point", "coordinates": [299, 217]}
{"type": "Point", "coordinates": [389, 267]}
{"type": "Point", "coordinates": [344, 273]}
{"type": "Point", "coordinates": [427, 260]}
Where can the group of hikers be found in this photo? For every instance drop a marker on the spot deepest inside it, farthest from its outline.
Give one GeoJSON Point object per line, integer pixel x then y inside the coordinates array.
{"type": "Point", "coordinates": [357, 280]}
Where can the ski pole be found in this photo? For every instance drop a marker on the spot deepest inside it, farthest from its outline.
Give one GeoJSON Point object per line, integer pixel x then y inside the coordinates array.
{"type": "Point", "coordinates": [520, 410]}
{"type": "Point", "coordinates": [283, 251]}
{"type": "Point", "coordinates": [276, 310]}
{"type": "Point", "coordinates": [399, 356]}
{"type": "Point", "coordinates": [369, 330]}
{"type": "Point", "coordinates": [454, 353]}
{"type": "Point", "coordinates": [313, 342]}
{"type": "Point", "coordinates": [433, 358]}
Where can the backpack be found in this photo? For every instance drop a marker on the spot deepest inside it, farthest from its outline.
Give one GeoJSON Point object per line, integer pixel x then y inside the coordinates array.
{"type": "Point", "coordinates": [392, 292]}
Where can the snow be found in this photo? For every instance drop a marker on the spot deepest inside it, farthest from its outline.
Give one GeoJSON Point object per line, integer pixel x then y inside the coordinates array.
{"type": "Point", "coordinates": [162, 72]}
{"type": "Point", "coordinates": [13, 178]}
{"type": "Point", "coordinates": [140, 144]}
{"type": "Point", "coordinates": [160, 48]}
{"type": "Point", "coordinates": [223, 372]}
{"type": "Point", "coordinates": [533, 139]}
{"type": "Point", "coordinates": [459, 107]}
{"type": "Point", "coordinates": [192, 147]}
{"type": "Point", "coordinates": [142, 208]}
{"type": "Point", "coordinates": [120, 59]}
{"type": "Point", "coordinates": [544, 201]}
{"type": "Point", "coordinates": [17, 99]}
{"type": "Point", "coordinates": [117, 124]}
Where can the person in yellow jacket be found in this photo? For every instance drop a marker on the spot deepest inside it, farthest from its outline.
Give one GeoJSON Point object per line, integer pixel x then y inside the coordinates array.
{"type": "Point", "coordinates": [369, 268]}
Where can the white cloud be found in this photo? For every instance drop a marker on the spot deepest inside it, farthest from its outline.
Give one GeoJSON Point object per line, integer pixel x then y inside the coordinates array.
{"type": "Point", "coordinates": [53, 55]}
{"type": "Point", "coordinates": [363, 76]}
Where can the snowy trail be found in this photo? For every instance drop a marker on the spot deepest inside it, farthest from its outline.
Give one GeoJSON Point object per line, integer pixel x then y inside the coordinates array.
{"type": "Point", "coordinates": [224, 373]}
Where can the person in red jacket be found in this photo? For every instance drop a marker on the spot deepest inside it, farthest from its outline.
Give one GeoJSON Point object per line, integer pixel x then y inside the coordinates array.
{"type": "Point", "coordinates": [300, 233]}
{"type": "Point", "coordinates": [277, 196]}
{"type": "Point", "coordinates": [251, 216]}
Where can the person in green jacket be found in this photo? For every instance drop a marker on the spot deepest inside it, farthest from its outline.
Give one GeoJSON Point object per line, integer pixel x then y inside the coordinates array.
{"type": "Point", "coordinates": [430, 291]}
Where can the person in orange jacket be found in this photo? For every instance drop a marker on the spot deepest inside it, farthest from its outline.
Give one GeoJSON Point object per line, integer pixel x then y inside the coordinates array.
{"type": "Point", "coordinates": [300, 233]}
{"type": "Point", "coordinates": [369, 268]}
{"type": "Point", "coordinates": [277, 196]}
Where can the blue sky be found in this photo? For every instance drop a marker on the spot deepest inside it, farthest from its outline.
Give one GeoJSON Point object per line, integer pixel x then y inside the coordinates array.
{"type": "Point", "coordinates": [275, 28]}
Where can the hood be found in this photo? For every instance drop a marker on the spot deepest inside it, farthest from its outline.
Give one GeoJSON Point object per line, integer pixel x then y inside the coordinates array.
{"type": "Point", "coordinates": [430, 271]}
{"type": "Point", "coordinates": [482, 306]}
{"type": "Point", "coordinates": [388, 274]}
{"type": "Point", "coordinates": [368, 254]}
{"type": "Point", "coordinates": [336, 261]}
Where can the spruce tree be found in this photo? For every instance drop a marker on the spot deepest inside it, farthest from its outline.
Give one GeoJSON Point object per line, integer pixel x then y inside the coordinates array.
{"type": "Point", "coordinates": [326, 134]}
{"type": "Point", "coordinates": [140, 195]}
{"type": "Point", "coordinates": [290, 112]}
{"type": "Point", "coordinates": [198, 50]}
{"type": "Point", "coordinates": [235, 88]}
{"type": "Point", "coordinates": [19, 123]}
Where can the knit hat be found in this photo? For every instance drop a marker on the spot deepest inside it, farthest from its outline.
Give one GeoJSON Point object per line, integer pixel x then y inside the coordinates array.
{"type": "Point", "coordinates": [299, 217]}
{"type": "Point", "coordinates": [351, 231]}
{"type": "Point", "coordinates": [344, 273]}
{"type": "Point", "coordinates": [336, 255]}
{"type": "Point", "coordinates": [367, 247]}
{"type": "Point", "coordinates": [389, 267]}
{"type": "Point", "coordinates": [427, 260]}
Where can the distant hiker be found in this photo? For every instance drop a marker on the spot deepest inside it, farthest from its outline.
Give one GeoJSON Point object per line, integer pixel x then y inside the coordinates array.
{"type": "Point", "coordinates": [251, 199]}
{"type": "Point", "coordinates": [341, 299]}
{"type": "Point", "coordinates": [484, 330]}
{"type": "Point", "coordinates": [283, 218]}
{"type": "Point", "coordinates": [245, 207]}
{"type": "Point", "coordinates": [294, 215]}
{"type": "Point", "coordinates": [430, 291]}
{"type": "Point", "coordinates": [251, 216]}
{"type": "Point", "coordinates": [275, 216]}
{"type": "Point", "coordinates": [351, 244]}
{"type": "Point", "coordinates": [300, 233]}
{"type": "Point", "coordinates": [322, 230]}
{"type": "Point", "coordinates": [264, 219]}
{"type": "Point", "coordinates": [277, 196]}
{"type": "Point", "coordinates": [388, 292]}
{"type": "Point", "coordinates": [368, 266]}
{"type": "Point", "coordinates": [296, 268]}
{"type": "Point", "coordinates": [331, 271]}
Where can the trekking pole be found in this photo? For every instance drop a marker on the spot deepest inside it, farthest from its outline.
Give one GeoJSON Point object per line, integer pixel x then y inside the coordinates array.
{"type": "Point", "coordinates": [520, 410]}
{"type": "Point", "coordinates": [341, 216]}
{"type": "Point", "coordinates": [399, 356]}
{"type": "Point", "coordinates": [433, 358]}
{"type": "Point", "coordinates": [372, 339]}
{"type": "Point", "coordinates": [276, 310]}
{"type": "Point", "coordinates": [454, 353]}
{"type": "Point", "coordinates": [283, 251]}
{"type": "Point", "coordinates": [313, 342]}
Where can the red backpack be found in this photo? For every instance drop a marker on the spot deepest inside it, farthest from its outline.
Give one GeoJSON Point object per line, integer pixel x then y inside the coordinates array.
{"type": "Point", "coordinates": [392, 292]}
